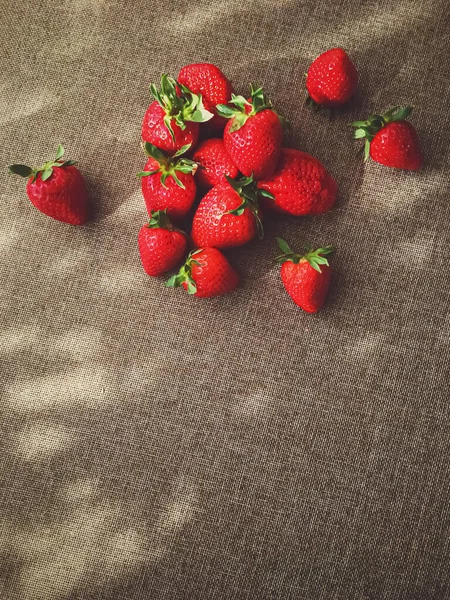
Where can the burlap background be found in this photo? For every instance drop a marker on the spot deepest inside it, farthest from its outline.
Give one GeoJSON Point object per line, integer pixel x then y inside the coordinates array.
{"type": "Point", "coordinates": [156, 446]}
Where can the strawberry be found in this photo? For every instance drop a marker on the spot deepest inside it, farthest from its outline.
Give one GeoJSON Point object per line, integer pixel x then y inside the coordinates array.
{"type": "Point", "coordinates": [229, 215]}
{"type": "Point", "coordinates": [253, 135]}
{"type": "Point", "coordinates": [332, 79]}
{"type": "Point", "coordinates": [390, 140]}
{"type": "Point", "coordinates": [209, 81]}
{"type": "Point", "coordinates": [300, 186]}
{"type": "Point", "coordinates": [172, 120]}
{"type": "Point", "coordinates": [206, 273]}
{"type": "Point", "coordinates": [214, 163]}
{"type": "Point", "coordinates": [304, 279]}
{"type": "Point", "coordinates": [161, 246]}
{"type": "Point", "coordinates": [57, 189]}
{"type": "Point", "coordinates": [168, 182]}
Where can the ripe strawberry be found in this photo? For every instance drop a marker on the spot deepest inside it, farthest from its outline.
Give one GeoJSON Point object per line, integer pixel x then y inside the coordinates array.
{"type": "Point", "coordinates": [300, 186]}
{"type": "Point", "coordinates": [253, 135]}
{"type": "Point", "coordinates": [390, 140]}
{"type": "Point", "coordinates": [206, 273]}
{"type": "Point", "coordinates": [305, 281]}
{"type": "Point", "coordinates": [161, 246]}
{"type": "Point", "coordinates": [209, 81]}
{"type": "Point", "coordinates": [229, 215]}
{"type": "Point", "coordinates": [332, 79]}
{"type": "Point", "coordinates": [168, 182]}
{"type": "Point", "coordinates": [57, 189]}
{"type": "Point", "coordinates": [214, 163]}
{"type": "Point", "coordinates": [172, 121]}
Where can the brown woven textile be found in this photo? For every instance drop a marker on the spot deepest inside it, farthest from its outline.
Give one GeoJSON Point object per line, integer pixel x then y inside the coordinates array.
{"type": "Point", "coordinates": [156, 446]}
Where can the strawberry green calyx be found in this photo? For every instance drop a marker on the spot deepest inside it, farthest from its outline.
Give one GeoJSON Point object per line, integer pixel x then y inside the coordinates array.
{"type": "Point", "coordinates": [159, 219]}
{"type": "Point", "coordinates": [244, 109]}
{"type": "Point", "coordinates": [169, 165]}
{"type": "Point", "coordinates": [46, 170]}
{"type": "Point", "coordinates": [314, 257]}
{"type": "Point", "coordinates": [317, 108]}
{"type": "Point", "coordinates": [179, 104]}
{"type": "Point", "coordinates": [246, 188]}
{"type": "Point", "coordinates": [184, 275]}
{"type": "Point", "coordinates": [368, 129]}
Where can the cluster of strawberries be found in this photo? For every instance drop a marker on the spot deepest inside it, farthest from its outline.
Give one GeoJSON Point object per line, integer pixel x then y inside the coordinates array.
{"type": "Point", "coordinates": [200, 136]}
{"type": "Point", "coordinates": [241, 171]}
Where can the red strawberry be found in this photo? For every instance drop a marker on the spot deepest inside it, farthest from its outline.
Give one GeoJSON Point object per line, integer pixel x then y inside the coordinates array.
{"type": "Point", "coordinates": [206, 273]}
{"type": "Point", "coordinates": [332, 78]}
{"type": "Point", "coordinates": [253, 135]}
{"type": "Point", "coordinates": [228, 215]}
{"type": "Point", "coordinates": [304, 279]}
{"type": "Point", "coordinates": [209, 81]}
{"type": "Point", "coordinates": [168, 182]}
{"type": "Point", "coordinates": [390, 140]}
{"type": "Point", "coordinates": [160, 245]}
{"type": "Point", "coordinates": [300, 186]}
{"type": "Point", "coordinates": [214, 163]}
{"type": "Point", "coordinates": [57, 189]}
{"type": "Point", "coordinates": [172, 121]}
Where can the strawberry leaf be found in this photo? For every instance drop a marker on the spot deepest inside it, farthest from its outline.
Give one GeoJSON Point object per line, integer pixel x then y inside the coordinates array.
{"type": "Point", "coordinates": [177, 180]}
{"type": "Point", "coordinates": [399, 114]}
{"type": "Point", "coordinates": [168, 123]}
{"type": "Point", "coordinates": [359, 133]}
{"type": "Point", "coordinates": [366, 150]}
{"type": "Point", "coordinates": [46, 174]}
{"type": "Point", "coordinates": [59, 152]}
{"type": "Point", "coordinates": [191, 287]}
{"type": "Point", "coordinates": [284, 247]}
{"type": "Point", "coordinates": [21, 170]}
{"type": "Point", "coordinates": [266, 193]}
{"type": "Point", "coordinates": [182, 150]}
{"type": "Point", "coordinates": [146, 173]}
{"type": "Point", "coordinates": [154, 152]}
{"type": "Point", "coordinates": [225, 111]}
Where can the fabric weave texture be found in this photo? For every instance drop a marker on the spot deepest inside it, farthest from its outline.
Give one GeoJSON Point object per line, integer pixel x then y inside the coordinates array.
{"type": "Point", "coordinates": [159, 446]}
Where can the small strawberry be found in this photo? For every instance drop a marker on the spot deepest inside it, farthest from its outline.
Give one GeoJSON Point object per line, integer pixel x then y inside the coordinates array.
{"type": "Point", "coordinates": [253, 135]}
{"type": "Point", "coordinates": [168, 182]}
{"type": "Point", "coordinates": [214, 163]}
{"type": "Point", "coordinates": [206, 273]}
{"type": "Point", "coordinates": [57, 189]}
{"type": "Point", "coordinates": [229, 215]}
{"type": "Point", "coordinates": [390, 140]}
{"type": "Point", "coordinates": [304, 279]}
{"type": "Point", "coordinates": [172, 120]}
{"type": "Point", "coordinates": [161, 246]}
{"type": "Point", "coordinates": [300, 186]}
{"type": "Point", "coordinates": [332, 79]}
{"type": "Point", "coordinates": [209, 81]}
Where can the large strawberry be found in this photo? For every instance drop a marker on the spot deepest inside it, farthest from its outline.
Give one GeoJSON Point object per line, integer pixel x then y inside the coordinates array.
{"type": "Point", "coordinates": [161, 246]}
{"type": "Point", "coordinates": [229, 215]}
{"type": "Point", "coordinates": [253, 135]}
{"type": "Point", "coordinates": [300, 186]}
{"type": "Point", "coordinates": [172, 120]}
{"type": "Point", "coordinates": [57, 189]}
{"type": "Point", "coordinates": [206, 273]}
{"type": "Point", "coordinates": [214, 163]}
{"type": "Point", "coordinates": [306, 277]}
{"type": "Point", "coordinates": [168, 182]}
{"type": "Point", "coordinates": [390, 140]}
{"type": "Point", "coordinates": [209, 81]}
{"type": "Point", "coordinates": [332, 79]}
